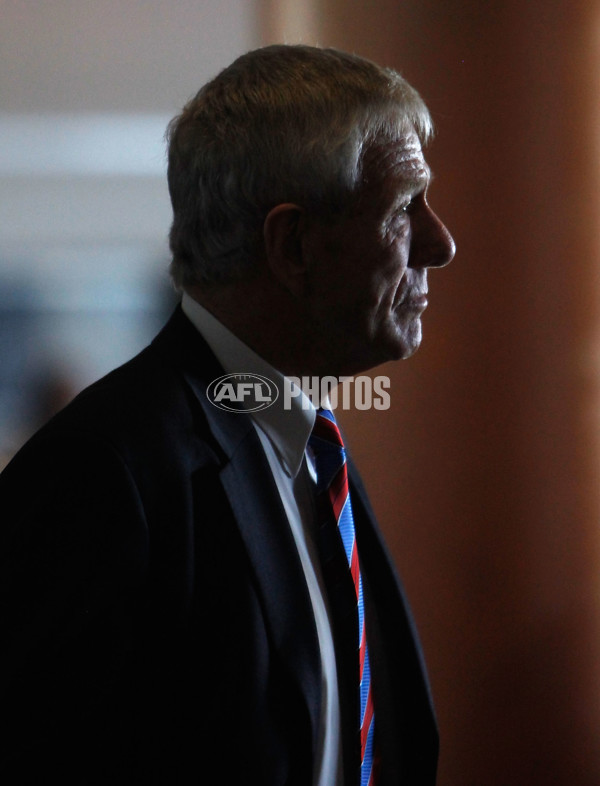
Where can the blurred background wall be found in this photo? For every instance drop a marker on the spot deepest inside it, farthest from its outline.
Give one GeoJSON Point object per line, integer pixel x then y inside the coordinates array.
{"type": "Point", "coordinates": [485, 470]}
{"type": "Point", "coordinates": [86, 91]}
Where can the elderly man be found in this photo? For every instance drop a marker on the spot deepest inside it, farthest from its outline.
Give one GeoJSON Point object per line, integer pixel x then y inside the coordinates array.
{"type": "Point", "coordinates": [198, 593]}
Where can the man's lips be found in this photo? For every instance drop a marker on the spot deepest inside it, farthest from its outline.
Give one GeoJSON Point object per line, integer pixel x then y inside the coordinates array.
{"type": "Point", "coordinates": [413, 300]}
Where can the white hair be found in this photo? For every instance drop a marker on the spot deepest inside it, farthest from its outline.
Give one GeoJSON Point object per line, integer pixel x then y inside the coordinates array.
{"type": "Point", "coordinates": [281, 124]}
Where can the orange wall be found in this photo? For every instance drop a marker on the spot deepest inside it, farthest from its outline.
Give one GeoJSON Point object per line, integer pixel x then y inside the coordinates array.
{"type": "Point", "coordinates": [485, 471]}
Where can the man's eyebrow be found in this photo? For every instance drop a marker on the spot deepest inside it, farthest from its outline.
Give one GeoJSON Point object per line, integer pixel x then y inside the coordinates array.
{"type": "Point", "coordinates": [412, 184]}
{"type": "Point", "coordinates": [414, 173]}
{"type": "Point", "coordinates": [413, 181]}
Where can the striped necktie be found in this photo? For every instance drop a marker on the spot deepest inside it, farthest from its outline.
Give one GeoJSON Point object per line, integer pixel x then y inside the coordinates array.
{"type": "Point", "coordinates": [333, 496]}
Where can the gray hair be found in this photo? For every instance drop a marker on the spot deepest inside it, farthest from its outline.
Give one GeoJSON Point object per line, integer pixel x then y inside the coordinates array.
{"type": "Point", "coordinates": [281, 124]}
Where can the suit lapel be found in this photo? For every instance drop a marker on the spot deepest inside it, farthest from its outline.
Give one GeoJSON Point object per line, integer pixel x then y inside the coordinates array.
{"type": "Point", "coordinates": [270, 545]}
{"type": "Point", "coordinates": [259, 514]}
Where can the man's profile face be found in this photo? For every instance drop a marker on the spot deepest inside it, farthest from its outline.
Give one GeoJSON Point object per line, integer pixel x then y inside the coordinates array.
{"type": "Point", "coordinates": [368, 274]}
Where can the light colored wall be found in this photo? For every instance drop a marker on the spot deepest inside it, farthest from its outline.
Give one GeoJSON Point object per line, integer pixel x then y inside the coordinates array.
{"type": "Point", "coordinates": [86, 90]}
{"type": "Point", "coordinates": [133, 61]}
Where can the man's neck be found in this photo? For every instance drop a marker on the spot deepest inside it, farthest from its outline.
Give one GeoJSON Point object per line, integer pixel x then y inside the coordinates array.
{"type": "Point", "coordinates": [269, 323]}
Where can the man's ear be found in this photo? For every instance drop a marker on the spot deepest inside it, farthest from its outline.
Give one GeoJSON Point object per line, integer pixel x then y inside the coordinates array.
{"type": "Point", "coordinates": [282, 233]}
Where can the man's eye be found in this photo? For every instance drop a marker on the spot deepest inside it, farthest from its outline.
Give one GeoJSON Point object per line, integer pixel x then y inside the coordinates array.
{"type": "Point", "coordinates": [411, 204]}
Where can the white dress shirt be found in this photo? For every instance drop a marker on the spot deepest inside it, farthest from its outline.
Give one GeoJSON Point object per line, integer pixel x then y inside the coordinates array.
{"type": "Point", "coordinates": [284, 436]}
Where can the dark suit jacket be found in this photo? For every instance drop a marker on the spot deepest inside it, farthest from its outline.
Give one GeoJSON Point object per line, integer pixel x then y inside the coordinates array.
{"type": "Point", "coordinates": [157, 619]}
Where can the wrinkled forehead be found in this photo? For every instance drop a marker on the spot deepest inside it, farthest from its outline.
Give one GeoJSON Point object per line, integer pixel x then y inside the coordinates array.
{"type": "Point", "coordinates": [400, 159]}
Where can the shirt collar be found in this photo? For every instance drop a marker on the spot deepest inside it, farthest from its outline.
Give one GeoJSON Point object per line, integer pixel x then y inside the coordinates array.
{"type": "Point", "coordinates": [288, 422]}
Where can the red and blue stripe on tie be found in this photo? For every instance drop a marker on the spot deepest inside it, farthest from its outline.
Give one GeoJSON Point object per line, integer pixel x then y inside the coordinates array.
{"type": "Point", "coordinates": [332, 479]}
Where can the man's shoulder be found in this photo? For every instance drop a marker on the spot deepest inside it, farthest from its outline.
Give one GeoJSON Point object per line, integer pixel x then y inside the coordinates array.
{"type": "Point", "coordinates": [144, 407]}
{"type": "Point", "coordinates": [153, 380]}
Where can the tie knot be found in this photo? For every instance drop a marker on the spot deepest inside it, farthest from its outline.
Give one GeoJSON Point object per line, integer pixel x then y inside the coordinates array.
{"type": "Point", "coordinates": [325, 431]}
{"type": "Point", "coordinates": [327, 447]}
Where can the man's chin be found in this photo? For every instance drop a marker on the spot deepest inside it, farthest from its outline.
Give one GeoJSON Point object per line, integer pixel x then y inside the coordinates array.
{"type": "Point", "coordinates": [406, 352]}
{"type": "Point", "coordinates": [410, 352]}
{"type": "Point", "coordinates": [388, 349]}
{"type": "Point", "coordinates": [396, 351]}
{"type": "Point", "coordinates": [406, 344]}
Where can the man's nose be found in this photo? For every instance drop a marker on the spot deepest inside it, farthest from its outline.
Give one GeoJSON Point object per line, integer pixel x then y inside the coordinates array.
{"type": "Point", "coordinates": [432, 244]}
